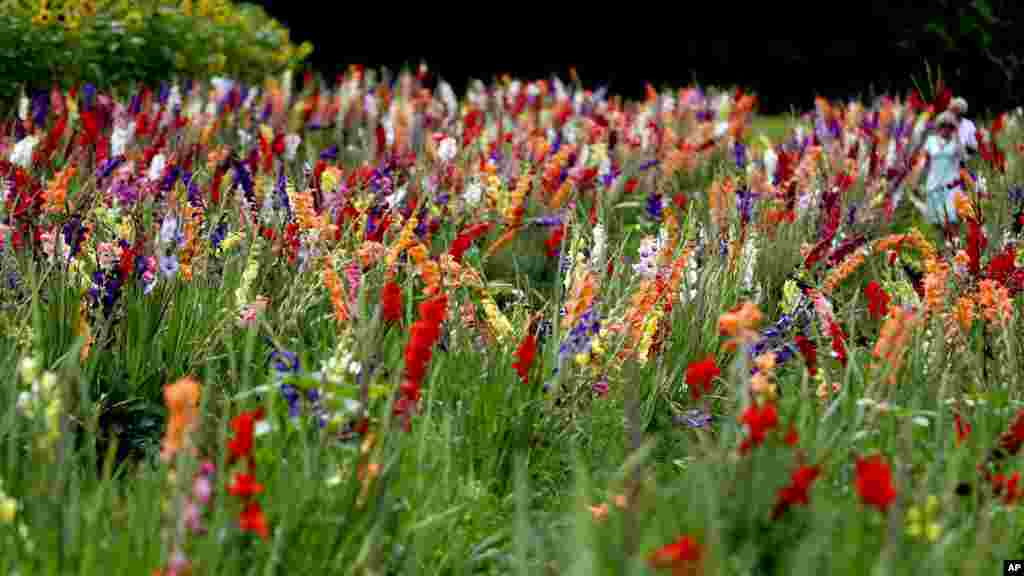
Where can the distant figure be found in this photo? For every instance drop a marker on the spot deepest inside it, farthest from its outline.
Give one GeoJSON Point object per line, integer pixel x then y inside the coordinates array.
{"type": "Point", "coordinates": [968, 131]}
{"type": "Point", "coordinates": [945, 150]}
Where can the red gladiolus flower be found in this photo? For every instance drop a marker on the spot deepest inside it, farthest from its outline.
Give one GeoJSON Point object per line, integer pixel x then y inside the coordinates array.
{"type": "Point", "coordinates": [874, 482]}
{"type": "Point", "coordinates": [524, 357]}
{"type": "Point", "coordinates": [878, 300]}
{"type": "Point", "coordinates": [466, 238]}
{"type": "Point", "coordinates": [1013, 438]}
{"type": "Point", "coordinates": [795, 493]}
{"type": "Point", "coordinates": [682, 556]}
{"type": "Point", "coordinates": [423, 334]}
{"type": "Point", "coordinates": [1001, 267]}
{"type": "Point", "coordinates": [963, 429]}
{"type": "Point", "coordinates": [699, 376]}
{"type": "Point", "coordinates": [809, 350]}
{"type": "Point", "coordinates": [253, 520]}
{"type": "Point", "coordinates": [976, 242]}
{"type": "Point", "coordinates": [391, 302]}
{"type": "Point", "coordinates": [631, 185]}
{"type": "Point", "coordinates": [243, 424]}
{"type": "Point", "coordinates": [245, 486]}
{"type": "Point", "coordinates": [760, 420]}
{"type": "Point", "coordinates": [792, 436]}
{"type": "Point", "coordinates": [554, 242]}
{"type": "Point", "coordinates": [838, 341]}
{"type": "Point", "coordinates": [1008, 488]}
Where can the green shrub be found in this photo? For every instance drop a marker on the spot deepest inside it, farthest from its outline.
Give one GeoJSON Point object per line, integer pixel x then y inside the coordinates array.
{"type": "Point", "coordinates": [106, 43]}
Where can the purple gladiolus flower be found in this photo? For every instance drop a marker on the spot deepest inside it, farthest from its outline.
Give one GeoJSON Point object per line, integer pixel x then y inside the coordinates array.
{"type": "Point", "coordinates": [1016, 193]}
{"type": "Point", "coordinates": [125, 192]}
{"type": "Point", "coordinates": [331, 153]}
{"type": "Point", "coordinates": [40, 107]}
{"type": "Point", "coordinates": [745, 204]}
{"type": "Point", "coordinates": [654, 207]}
{"type": "Point", "coordinates": [694, 418]}
{"type": "Point", "coordinates": [169, 266]}
{"type": "Point", "coordinates": [108, 167]}
{"type": "Point", "coordinates": [740, 153]}
{"type": "Point", "coordinates": [88, 96]}
{"type": "Point", "coordinates": [648, 165]}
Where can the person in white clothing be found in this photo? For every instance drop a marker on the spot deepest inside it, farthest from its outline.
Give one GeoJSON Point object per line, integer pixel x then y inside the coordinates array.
{"type": "Point", "coordinates": [967, 130]}
{"type": "Point", "coordinates": [945, 153]}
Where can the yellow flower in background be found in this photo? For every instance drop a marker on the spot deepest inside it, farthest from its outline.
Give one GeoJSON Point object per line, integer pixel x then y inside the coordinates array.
{"type": "Point", "coordinates": [921, 523]}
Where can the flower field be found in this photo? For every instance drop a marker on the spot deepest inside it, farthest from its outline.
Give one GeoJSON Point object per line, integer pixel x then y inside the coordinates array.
{"type": "Point", "coordinates": [368, 326]}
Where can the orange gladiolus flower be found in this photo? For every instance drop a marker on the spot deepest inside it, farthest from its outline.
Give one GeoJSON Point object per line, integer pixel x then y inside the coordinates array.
{"type": "Point", "coordinates": [182, 400]}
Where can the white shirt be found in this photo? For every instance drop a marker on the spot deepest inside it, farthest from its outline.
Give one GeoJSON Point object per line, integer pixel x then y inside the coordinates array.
{"type": "Point", "coordinates": [968, 134]}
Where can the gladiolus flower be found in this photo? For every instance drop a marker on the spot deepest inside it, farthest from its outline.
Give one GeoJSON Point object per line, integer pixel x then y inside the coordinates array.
{"type": "Point", "coordinates": [466, 238]}
{"type": "Point", "coordinates": [682, 556]}
{"type": "Point", "coordinates": [795, 493]}
{"type": "Point", "coordinates": [245, 486]}
{"type": "Point", "coordinates": [699, 376]}
{"type": "Point", "coordinates": [391, 302]}
{"type": "Point", "coordinates": [874, 482]}
{"type": "Point", "coordinates": [524, 357]}
{"type": "Point", "coordinates": [1013, 438]}
{"type": "Point", "coordinates": [182, 400]}
{"type": "Point", "coordinates": [878, 300]}
{"type": "Point", "coordinates": [760, 420]}
{"type": "Point", "coordinates": [243, 424]}
{"type": "Point", "coordinates": [963, 429]}
{"type": "Point", "coordinates": [809, 351]}
{"type": "Point", "coordinates": [253, 520]}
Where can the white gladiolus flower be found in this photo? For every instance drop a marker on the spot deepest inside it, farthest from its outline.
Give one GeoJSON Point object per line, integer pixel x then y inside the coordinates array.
{"type": "Point", "coordinates": [23, 105]}
{"type": "Point", "coordinates": [668, 106]}
{"type": "Point", "coordinates": [120, 138]}
{"type": "Point", "coordinates": [21, 155]}
{"type": "Point", "coordinates": [473, 194]}
{"type": "Point", "coordinates": [396, 198]}
{"type": "Point", "coordinates": [156, 167]}
{"type": "Point", "coordinates": [771, 162]}
{"type": "Point", "coordinates": [600, 246]}
{"type": "Point", "coordinates": [291, 146]}
{"type": "Point", "coordinates": [447, 149]}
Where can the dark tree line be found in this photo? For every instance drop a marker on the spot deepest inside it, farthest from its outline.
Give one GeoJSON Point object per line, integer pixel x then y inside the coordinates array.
{"type": "Point", "coordinates": [869, 48]}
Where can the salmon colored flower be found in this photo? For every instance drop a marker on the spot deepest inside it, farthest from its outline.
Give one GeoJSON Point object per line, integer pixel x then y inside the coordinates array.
{"type": "Point", "coordinates": [893, 340]}
{"type": "Point", "coordinates": [182, 400]}
{"type": "Point", "coordinates": [739, 323]}
{"type": "Point", "coordinates": [599, 513]}
{"type": "Point", "coordinates": [874, 482]}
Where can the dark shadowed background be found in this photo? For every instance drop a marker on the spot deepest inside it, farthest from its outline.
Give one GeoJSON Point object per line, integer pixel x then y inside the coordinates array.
{"type": "Point", "coordinates": [784, 53]}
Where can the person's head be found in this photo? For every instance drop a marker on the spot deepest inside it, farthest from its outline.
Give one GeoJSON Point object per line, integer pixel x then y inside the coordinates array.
{"type": "Point", "coordinates": [946, 124]}
{"type": "Point", "coordinates": [958, 106]}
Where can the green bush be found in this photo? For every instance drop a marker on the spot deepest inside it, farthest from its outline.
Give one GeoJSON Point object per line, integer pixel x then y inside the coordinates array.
{"type": "Point", "coordinates": [106, 43]}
